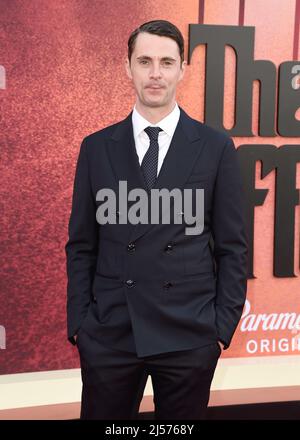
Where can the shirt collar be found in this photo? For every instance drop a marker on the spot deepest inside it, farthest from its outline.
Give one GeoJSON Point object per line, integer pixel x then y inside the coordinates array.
{"type": "Point", "coordinates": [167, 124]}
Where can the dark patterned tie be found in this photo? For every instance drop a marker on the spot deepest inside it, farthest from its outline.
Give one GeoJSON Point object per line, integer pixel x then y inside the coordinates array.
{"type": "Point", "coordinates": [150, 160]}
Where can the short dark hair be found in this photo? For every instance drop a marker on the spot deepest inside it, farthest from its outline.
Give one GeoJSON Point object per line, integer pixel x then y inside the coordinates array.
{"type": "Point", "coordinates": [163, 28]}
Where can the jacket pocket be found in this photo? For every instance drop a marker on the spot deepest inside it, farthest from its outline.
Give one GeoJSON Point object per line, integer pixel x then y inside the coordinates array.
{"type": "Point", "coordinates": [197, 177]}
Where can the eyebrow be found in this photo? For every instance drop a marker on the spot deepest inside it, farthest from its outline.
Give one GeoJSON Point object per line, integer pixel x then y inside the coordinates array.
{"type": "Point", "coordinates": [146, 57]}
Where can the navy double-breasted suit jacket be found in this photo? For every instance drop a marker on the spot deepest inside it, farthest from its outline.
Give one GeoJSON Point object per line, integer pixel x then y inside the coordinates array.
{"type": "Point", "coordinates": [151, 288]}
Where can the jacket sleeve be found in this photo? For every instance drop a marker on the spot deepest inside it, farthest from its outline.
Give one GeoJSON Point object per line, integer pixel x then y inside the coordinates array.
{"type": "Point", "coordinates": [81, 247]}
{"type": "Point", "coordinates": [229, 233]}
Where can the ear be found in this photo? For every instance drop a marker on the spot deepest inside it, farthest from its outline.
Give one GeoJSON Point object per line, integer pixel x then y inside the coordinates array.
{"type": "Point", "coordinates": [127, 68]}
{"type": "Point", "coordinates": [182, 70]}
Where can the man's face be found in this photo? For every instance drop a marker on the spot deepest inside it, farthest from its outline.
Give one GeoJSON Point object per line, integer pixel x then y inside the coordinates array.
{"type": "Point", "coordinates": [155, 69]}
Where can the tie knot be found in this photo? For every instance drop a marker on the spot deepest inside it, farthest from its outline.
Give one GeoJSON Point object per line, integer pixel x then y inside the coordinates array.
{"type": "Point", "coordinates": [152, 132]}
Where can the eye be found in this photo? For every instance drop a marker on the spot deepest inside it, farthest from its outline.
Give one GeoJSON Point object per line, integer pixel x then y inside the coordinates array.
{"type": "Point", "coordinates": [167, 63]}
{"type": "Point", "coordinates": [143, 61]}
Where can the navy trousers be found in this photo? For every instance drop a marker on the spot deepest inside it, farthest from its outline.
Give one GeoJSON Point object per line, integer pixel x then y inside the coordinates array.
{"type": "Point", "coordinates": [113, 381]}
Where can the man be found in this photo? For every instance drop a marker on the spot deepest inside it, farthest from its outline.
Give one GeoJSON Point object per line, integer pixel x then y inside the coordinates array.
{"type": "Point", "coordinates": [148, 298]}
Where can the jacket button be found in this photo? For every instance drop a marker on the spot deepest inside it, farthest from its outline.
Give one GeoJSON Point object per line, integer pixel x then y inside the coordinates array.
{"type": "Point", "coordinates": [167, 285]}
{"type": "Point", "coordinates": [94, 299]}
{"type": "Point", "coordinates": [169, 248]}
{"type": "Point", "coordinates": [131, 247]}
{"type": "Point", "coordinates": [129, 283]}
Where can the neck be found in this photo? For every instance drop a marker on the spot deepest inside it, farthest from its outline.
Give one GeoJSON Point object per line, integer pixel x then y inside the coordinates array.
{"type": "Point", "coordinates": [154, 114]}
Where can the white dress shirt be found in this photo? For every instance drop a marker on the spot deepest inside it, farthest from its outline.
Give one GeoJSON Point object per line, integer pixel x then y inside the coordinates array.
{"type": "Point", "coordinates": [141, 139]}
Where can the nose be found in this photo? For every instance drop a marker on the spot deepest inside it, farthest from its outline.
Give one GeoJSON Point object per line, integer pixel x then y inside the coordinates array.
{"type": "Point", "coordinates": [155, 71]}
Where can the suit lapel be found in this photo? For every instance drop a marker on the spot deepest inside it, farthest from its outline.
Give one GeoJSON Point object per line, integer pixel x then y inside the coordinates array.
{"type": "Point", "coordinates": [123, 155]}
{"type": "Point", "coordinates": [185, 147]}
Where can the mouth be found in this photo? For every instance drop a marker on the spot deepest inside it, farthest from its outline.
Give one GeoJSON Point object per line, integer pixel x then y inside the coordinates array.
{"type": "Point", "coordinates": [154, 87]}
